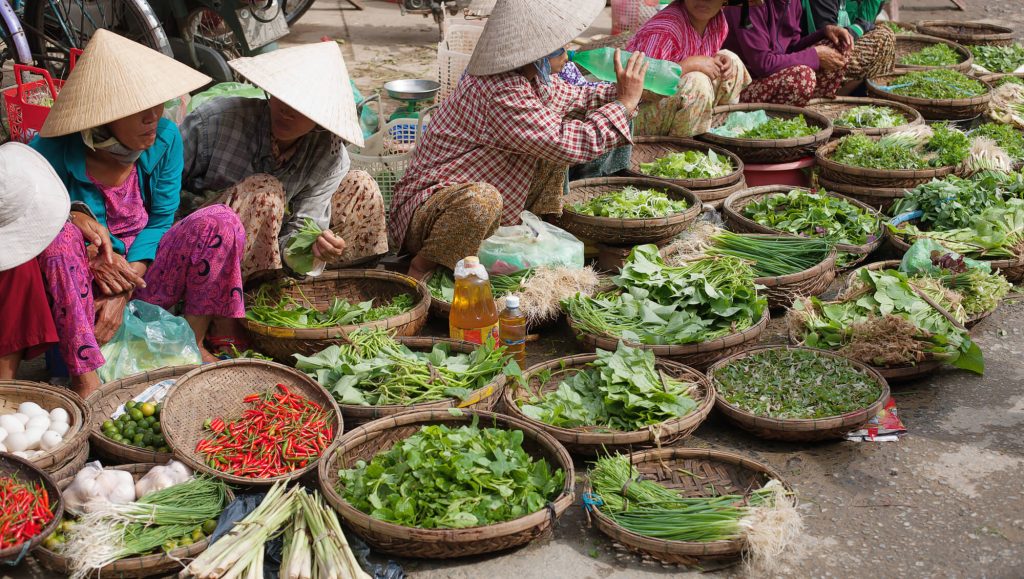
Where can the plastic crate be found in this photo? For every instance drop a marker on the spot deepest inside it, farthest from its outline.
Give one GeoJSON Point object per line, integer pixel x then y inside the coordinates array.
{"type": "Point", "coordinates": [629, 15]}
{"type": "Point", "coordinates": [28, 102]}
{"type": "Point", "coordinates": [453, 54]}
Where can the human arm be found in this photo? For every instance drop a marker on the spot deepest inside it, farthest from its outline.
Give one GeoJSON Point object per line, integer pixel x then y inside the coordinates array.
{"type": "Point", "coordinates": [164, 195]}
{"type": "Point", "coordinates": [315, 198]}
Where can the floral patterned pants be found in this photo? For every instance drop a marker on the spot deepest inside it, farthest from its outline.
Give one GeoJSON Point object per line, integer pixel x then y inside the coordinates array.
{"type": "Point", "coordinates": [453, 222]}
{"type": "Point", "coordinates": [795, 85]}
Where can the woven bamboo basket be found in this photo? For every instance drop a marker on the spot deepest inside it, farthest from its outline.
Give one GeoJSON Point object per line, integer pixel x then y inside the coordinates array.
{"type": "Point", "coordinates": [715, 472]}
{"type": "Point", "coordinates": [352, 285]}
{"type": "Point", "coordinates": [190, 404]}
{"type": "Point", "coordinates": [593, 440]}
{"type": "Point", "coordinates": [14, 392]}
{"type": "Point", "coordinates": [699, 355]}
{"type": "Point", "coordinates": [771, 150]}
{"type": "Point", "coordinates": [732, 211]}
{"type": "Point", "coordinates": [993, 78]}
{"type": "Point", "coordinates": [837, 107]}
{"type": "Point", "coordinates": [799, 430]}
{"type": "Point", "coordinates": [909, 43]}
{"type": "Point", "coordinates": [626, 231]}
{"type": "Point", "coordinates": [1011, 269]}
{"type": "Point", "coordinates": [835, 172]}
{"type": "Point", "coordinates": [73, 465]}
{"type": "Point", "coordinates": [909, 27]}
{"type": "Point", "coordinates": [967, 33]}
{"type": "Point", "coordinates": [25, 471]}
{"type": "Point", "coordinates": [108, 398]}
{"type": "Point", "coordinates": [880, 199]}
{"type": "Point", "coordinates": [932, 109]}
{"type": "Point", "coordinates": [650, 149]}
{"type": "Point", "coordinates": [715, 197]}
{"type": "Point", "coordinates": [378, 436]}
{"type": "Point", "coordinates": [132, 567]}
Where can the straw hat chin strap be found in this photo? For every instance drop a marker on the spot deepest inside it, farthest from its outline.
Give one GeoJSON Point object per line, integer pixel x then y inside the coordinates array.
{"type": "Point", "coordinates": [102, 139]}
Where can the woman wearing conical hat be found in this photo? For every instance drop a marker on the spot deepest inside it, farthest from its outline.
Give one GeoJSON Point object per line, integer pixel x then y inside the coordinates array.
{"type": "Point", "coordinates": [280, 161]}
{"type": "Point", "coordinates": [120, 160]}
{"type": "Point", "coordinates": [502, 142]}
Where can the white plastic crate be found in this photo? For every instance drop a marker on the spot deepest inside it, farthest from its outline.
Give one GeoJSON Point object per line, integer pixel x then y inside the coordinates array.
{"type": "Point", "coordinates": [453, 54]}
{"type": "Point", "coordinates": [629, 15]}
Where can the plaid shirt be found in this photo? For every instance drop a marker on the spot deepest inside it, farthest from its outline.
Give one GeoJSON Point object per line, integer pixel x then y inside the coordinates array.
{"type": "Point", "coordinates": [228, 139]}
{"type": "Point", "coordinates": [493, 129]}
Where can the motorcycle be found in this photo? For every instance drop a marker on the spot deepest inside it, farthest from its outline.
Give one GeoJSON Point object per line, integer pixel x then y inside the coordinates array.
{"type": "Point", "coordinates": [439, 9]}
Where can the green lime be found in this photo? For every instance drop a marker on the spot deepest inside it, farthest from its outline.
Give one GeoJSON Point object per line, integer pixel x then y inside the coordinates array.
{"type": "Point", "coordinates": [147, 439]}
{"type": "Point", "coordinates": [118, 438]}
{"type": "Point", "coordinates": [164, 448]}
{"type": "Point", "coordinates": [150, 420]}
{"type": "Point", "coordinates": [136, 414]}
{"type": "Point", "coordinates": [197, 534]}
{"type": "Point", "coordinates": [108, 424]}
{"type": "Point", "coordinates": [147, 409]}
{"type": "Point", "coordinates": [130, 404]}
{"type": "Point", "coordinates": [156, 427]}
{"type": "Point", "coordinates": [137, 439]}
{"type": "Point", "coordinates": [209, 526]}
{"type": "Point", "coordinates": [185, 541]}
{"type": "Point", "coordinates": [51, 543]}
{"type": "Point", "coordinates": [170, 545]}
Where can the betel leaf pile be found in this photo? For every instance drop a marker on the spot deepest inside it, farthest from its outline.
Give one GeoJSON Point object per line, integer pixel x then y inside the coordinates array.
{"type": "Point", "coordinates": [631, 203]}
{"type": "Point", "coordinates": [452, 477]}
{"type": "Point", "coordinates": [689, 165]}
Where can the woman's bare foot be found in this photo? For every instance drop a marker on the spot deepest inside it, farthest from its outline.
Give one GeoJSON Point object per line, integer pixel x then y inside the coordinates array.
{"type": "Point", "coordinates": [420, 267]}
{"type": "Point", "coordinates": [85, 384]}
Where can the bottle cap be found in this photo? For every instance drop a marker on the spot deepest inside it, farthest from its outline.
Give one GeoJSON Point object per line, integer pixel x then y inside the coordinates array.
{"type": "Point", "coordinates": [471, 261]}
{"type": "Point", "coordinates": [512, 302]}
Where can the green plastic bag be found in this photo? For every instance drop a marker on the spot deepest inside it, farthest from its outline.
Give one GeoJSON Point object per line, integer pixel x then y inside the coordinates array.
{"type": "Point", "coordinates": [918, 259]}
{"type": "Point", "coordinates": [149, 338]}
{"type": "Point", "coordinates": [740, 122]}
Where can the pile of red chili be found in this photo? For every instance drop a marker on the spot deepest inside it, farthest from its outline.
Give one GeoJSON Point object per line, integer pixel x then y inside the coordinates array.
{"type": "Point", "coordinates": [281, 432]}
{"type": "Point", "coordinates": [24, 511]}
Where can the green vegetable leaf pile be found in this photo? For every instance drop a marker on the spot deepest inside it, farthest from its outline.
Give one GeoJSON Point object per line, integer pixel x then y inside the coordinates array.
{"type": "Point", "coordinates": [1011, 79]}
{"type": "Point", "coordinates": [897, 28]}
{"type": "Point", "coordinates": [299, 249]}
{"type": "Point", "coordinates": [939, 84]}
{"type": "Point", "coordinates": [933, 55]}
{"type": "Point", "coordinates": [631, 203]}
{"type": "Point", "coordinates": [779, 128]}
{"type": "Point", "coordinates": [620, 390]}
{"type": "Point", "coordinates": [442, 284]}
{"type": "Point", "coordinates": [998, 58]}
{"type": "Point", "coordinates": [996, 233]}
{"type": "Point", "coordinates": [945, 146]}
{"type": "Point", "coordinates": [689, 165]}
{"type": "Point", "coordinates": [290, 313]}
{"type": "Point", "coordinates": [1007, 137]}
{"type": "Point", "coordinates": [953, 202]}
{"type": "Point", "coordinates": [452, 478]}
{"type": "Point", "coordinates": [870, 117]}
{"type": "Point", "coordinates": [795, 384]}
{"type": "Point", "coordinates": [817, 215]}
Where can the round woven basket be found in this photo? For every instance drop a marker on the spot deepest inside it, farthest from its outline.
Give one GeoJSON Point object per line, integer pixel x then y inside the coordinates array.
{"type": "Point", "coordinates": [73, 465]}
{"type": "Point", "coordinates": [353, 285]}
{"type": "Point", "coordinates": [650, 149]}
{"type": "Point", "coordinates": [715, 473]}
{"type": "Point", "coordinates": [699, 355]}
{"type": "Point", "coordinates": [932, 109]}
{"type": "Point", "coordinates": [14, 392]}
{"type": "Point", "coordinates": [714, 197]}
{"type": "Point", "coordinates": [732, 211]}
{"type": "Point", "coordinates": [593, 440]}
{"type": "Point", "coordinates": [108, 398]}
{"type": "Point", "coordinates": [625, 231]}
{"type": "Point", "coordinates": [799, 430]}
{"type": "Point", "coordinates": [26, 472]}
{"type": "Point", "coordinates": [192, 402]}
{"type": "Point", "coordinates": [161, 563]}
{"type": "Point", "coordinates": [771, 150]}
{"type": "Point", "coordinates": [837, 107]}
{"type": "Point", "coordinates": [877, 198]}
{"type": "Point", "coordinates": [378, 436]}
{"type": "Point", "coordinates": [835, 172]}
{"type": "Point", "coordinates": [1011, 269]}
{"type": "Point", "coordinates": [967, 33]}
{"type": "Point", "coordinates": [909, 43]}
{"type": "Point", "coordinates": [992, 79]}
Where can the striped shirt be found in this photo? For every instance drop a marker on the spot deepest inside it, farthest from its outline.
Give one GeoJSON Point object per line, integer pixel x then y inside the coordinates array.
{"type": "Point", "coordinates": [670, 36]}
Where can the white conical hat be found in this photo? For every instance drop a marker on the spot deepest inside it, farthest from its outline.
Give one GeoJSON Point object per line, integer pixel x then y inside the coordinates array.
{"type": "Point", "coordinates": [311, 79]}
{"type": "Point", "coordinates": [33, 204]}
{"type": "Point", "coordinates": [519, 32]}
{"type": "Point", "coordinates": [115, 78]}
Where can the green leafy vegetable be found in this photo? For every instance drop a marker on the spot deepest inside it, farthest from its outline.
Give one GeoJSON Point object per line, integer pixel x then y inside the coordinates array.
{"type": "Point", "coordinates": [631, 203]}
{"type": "Point", "coordinates": [771, 255]}
{"type": "Point", "coordinates": [996, 233]}
{"type": "Point", "coordinates": [442, 284]}
{"type": "Point", "coordinates": [870, 117]}
{"type": "Point", "coordinates": [817, 215]}
{"type": "Point", "coordinates": [933, 55]}
{"type": "Point", "coordinates": [780, 128]}
{"type": "Point", "coordinates": [299, 250]}
{"type": "Point", "coordinates": [689, 165]}
{"type": "Point", "coordinates": [1010, 79]}
{"type": "Point", "coordinates": [287, 312]}
{"type": "Point", "coordinates": [940, 83]}
{"type": "Point", "coordinates": [941, 146]}
{"type": "Point", "coordinates": [998, 58]}
{"type": "Point", "coordinates": [1007, 137]}
{"type": "Point", "coordinates": [952, 202]}
{"type": "Point", "coordinates": [897, 28]}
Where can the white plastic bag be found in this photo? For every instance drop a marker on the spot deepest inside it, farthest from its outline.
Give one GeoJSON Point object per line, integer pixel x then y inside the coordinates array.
{"type": "Point", "coordinates": [532, 244]}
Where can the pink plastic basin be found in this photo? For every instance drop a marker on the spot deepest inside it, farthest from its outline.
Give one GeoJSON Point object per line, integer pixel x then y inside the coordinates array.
{"type": "Point", "coordinates": [795, 173]}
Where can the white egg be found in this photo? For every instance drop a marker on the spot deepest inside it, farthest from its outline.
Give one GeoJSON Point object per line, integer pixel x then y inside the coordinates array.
{"type": "Point", "coordinates": [42, 420]}
{"type": "Point", "coordinates": [33, 436]}
{"type": "Point", "coordinates": [51, 440]}
{"type": "Point", "coordinates": [22, 418]}
{"type": "Point", "coordinates": [20, 454]}
{"type": "Point", "coordinates": [59, 415]}
{"type": "Point", "coordinates": [31, 409]}
{"type": "Point", "coordinates": [17, 442]}
{"type": "Point", "coordinates": [60, 428]}
{"type": "Point", "coordinates": [3, 434]}
{"type": "Point", "coordinates": [11, 424]}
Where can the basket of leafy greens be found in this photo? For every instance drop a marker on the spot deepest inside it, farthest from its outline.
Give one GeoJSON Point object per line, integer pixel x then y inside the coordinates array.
{"type": "Point", "coordinates": [612, 399]}
{"type": "Point", "coordinates": [938, 94]}
{"type": "Point", "coordinates": [917, 52]}
{"type": "Point", "coordinates": [999, 59]}
{"type": "Point", "coordinates": [441, 484]}
{"type": "Point", "coordinates": [783, 134]}
{"type": "Point", "coordinates": [288, 316]}
{"type": "Point", "coordinates": [968, 33]}
{"type": "Point", "coordinates": [869, 116]}
{"type": "Point", "coordinates": [684, 162]}
{"type": "Point", "coordinates": [797, 394]}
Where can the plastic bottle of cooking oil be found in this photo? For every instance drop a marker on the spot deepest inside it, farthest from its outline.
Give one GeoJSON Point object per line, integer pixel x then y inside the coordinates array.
{"type": "Point", "coordinates": [512, 330]}
{"type": "Point", "coordinates": [474, 316]}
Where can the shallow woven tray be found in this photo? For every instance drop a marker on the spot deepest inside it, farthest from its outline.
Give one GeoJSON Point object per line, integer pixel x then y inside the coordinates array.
{"type": "Point", "coordinates": [73, 465]}
{"type": "Point", "coordinates": [25, 471]}
{"type": "Point", "coordinates": [910, 43]}
{"type": "Point", "coordinates": [932, 109]}
{"type": "Point", "coordinates": [105, 401]}
{"type": "Point", "coordinates": [799, 430]}
{"type": "Point", "coordinates": [648, 149]}
{"type": "Point", "coordinates": [131, 567]}
{"type": "Point", "coordinates": [378, 436]}
{"type": "Point", "coordinates": [880, 199]}
{"type": "Point", "coordinates": [714, 197]}
{"type": "Point", "coordinates": [354, 285]}
{"type": "Point", "coordinates": [216, 390]}
{"type": "Point", "coordinates": [771, 150]}
{"type": "Point", "coordinates": [588, 440]}
{"type": "Point", "coordinates": [14, 392]}
{"type": "Point", "coordinates": [625, 231]}
{"type": "Point", "coordinates": [1011, 269]}
{"type": "Point", "coordinates": [717, 473]}
{"type": "Point", "coordinates": [967, 33]}
{"type": "Point", "coordinates": [995, 77]}
{"type": "Point", "coordinates": [835, 172]}
{"type": "Point", "coordinates": [699, 355]}
{"type": "Point", "coordinates": [837, 107]}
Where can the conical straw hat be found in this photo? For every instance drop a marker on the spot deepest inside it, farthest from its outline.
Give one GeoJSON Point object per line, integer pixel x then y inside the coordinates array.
{"type": "Point", "coordinates": [519, 32]}
{"type": "Point", "coordinates": [311, 79]}
{"type": "Point", "coordinates": [115, 78]}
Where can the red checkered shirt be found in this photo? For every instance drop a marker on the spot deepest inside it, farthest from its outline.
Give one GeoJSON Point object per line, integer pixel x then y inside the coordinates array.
{"type": "Point", "coordinates": [493, 129]}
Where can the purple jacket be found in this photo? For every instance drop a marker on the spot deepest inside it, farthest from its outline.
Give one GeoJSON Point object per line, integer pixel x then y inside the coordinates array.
{"type": "Point", "coordinates": [773, 42]}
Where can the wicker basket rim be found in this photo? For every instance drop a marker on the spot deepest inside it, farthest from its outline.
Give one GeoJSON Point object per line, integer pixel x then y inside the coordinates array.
{"type": "Point", "coordinates": [695, 205]}
{"type": "Point", "coordinates": [810, 115]}
{"type": "Point", "coordinates": [25, 468]}
{"type": "Point", "coordinates": [995, 31]}
{"type": "Point", "coordinates": [68, 398]}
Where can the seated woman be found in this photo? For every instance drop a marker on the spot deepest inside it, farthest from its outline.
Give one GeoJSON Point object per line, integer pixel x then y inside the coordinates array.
{"type": "Point", "coordinates": [690, 32]}
{"type": "Point", "coordinates": [108, 144]}
{"type": "Point", "coordinates": [503, 141]}
{"type": "Point", "coordinates": [280, 161]}
{"type": "Point", "coordinates": [874, 48]}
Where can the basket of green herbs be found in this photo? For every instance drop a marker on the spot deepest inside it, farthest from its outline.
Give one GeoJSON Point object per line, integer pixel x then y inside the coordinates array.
{"type": "Point", "coordinates": [624, 398]}
{"type": "Point", "coordinates": [439, 484]}
{"type": "Point", "coordinates": [694, 507]}
{"type": "Point", "coordinates": [791, 133]}
{"type": "Point", "coordinates": [917, 52]}
{"type": "Point", "coordinates": [375, 374]}
{"type": "Point", "coordinates": [938, 94]}
{"type": "Point", "coordinates": [865, 115]}
{"type": "Point", "coordinates": [968, 33]}
{"type": "Point", "coordinates": [627, 210]}
{"type": "Point", "coordinates": [797, 394]}
{"type": "Point", "coordinates": [684, 162]}
{"type": "Point", "coordinates": [999, 59]}
{"type": "Point", "coordinates": [288, 316]}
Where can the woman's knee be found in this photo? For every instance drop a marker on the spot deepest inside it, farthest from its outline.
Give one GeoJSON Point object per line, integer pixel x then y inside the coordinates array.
{"type": "Point", "coordinates": [487, 201]}
{"type": "Point", "coordinates": [804, 81]}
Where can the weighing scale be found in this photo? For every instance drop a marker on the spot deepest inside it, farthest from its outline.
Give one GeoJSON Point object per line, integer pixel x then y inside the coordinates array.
{"type": "Point", "coordinates": [416, 95]}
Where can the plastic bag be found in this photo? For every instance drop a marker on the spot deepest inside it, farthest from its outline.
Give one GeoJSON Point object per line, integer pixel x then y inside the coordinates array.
{"type": "Point", "coordinates": [532, 244]}
{"type": "Point", "coordinates": [918, 259]}
{"type": "Point", "coordinates": [176, 109]}
{"type": "Point", "coordinates": [740, 122]}
{"type": "Point", "coordinates": [226, 89]}
{"type": "Point", "coordinates": [149, 338]}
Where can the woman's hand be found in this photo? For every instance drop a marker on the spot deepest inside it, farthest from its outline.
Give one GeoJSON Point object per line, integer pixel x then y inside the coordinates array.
{"type": "Point", "coordinates": [109, 314]}
{"type": "Point", "coordinates": [702, 64]}
{"type": "Point", "coordinates": [724, 66]}
{"type": "Point", "coordinates": [630, 79]}
{"type": "Point", "coordinates": [115, 276]}
{"type": "Point", "coordinates": [839, 36]}
{"type": "Point", "coordinates": [97, 235]}
{"type": "Point", "coordinates": [328, 247]}
{"type": "Point", "coordinates": [829, 58]}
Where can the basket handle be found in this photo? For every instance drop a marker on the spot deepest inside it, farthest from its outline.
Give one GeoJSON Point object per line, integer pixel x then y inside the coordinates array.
{"type": "Point", "coordinates": [380, 110]}
{"type": "Point", "coordinates": [423, 114]}
{"type": "Point", "coordinates": [21, 69]}
{"type": "Point", "coordinates": [74, 54]}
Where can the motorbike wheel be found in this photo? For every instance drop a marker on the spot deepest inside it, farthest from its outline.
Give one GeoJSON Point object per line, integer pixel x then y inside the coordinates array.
{"type": "Point", "coordinates": [211, 63]}
{"type": "Point", "coordinates": [295, 9]}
